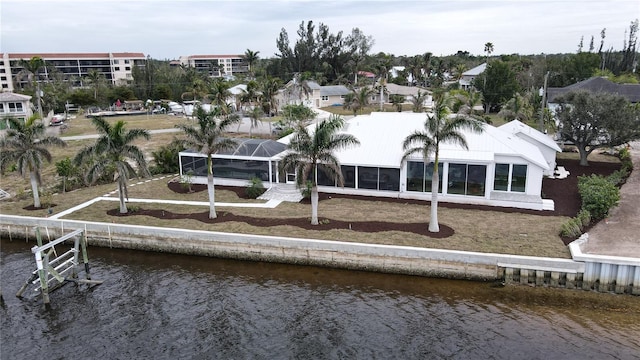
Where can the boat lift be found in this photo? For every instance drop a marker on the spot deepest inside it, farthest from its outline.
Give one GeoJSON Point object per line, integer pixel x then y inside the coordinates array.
{"type": "Point", "coordinates": [53, 270]}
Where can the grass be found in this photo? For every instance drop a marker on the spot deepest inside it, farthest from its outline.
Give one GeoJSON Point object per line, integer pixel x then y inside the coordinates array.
{"type": "Point", "coordinates": [482, 231]}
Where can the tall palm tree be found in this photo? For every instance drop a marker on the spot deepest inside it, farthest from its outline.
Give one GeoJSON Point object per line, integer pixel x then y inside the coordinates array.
{"type": "Point", "coordinates": [251, 57]}
{"type": "Point", "coordinates": [25, 144]}
{"type": "Point", "coordinates": [269, 88]}
{"type": "Point", "coordinates": [96, 79]}
{"type": "Point", "coordinates": [438, 129]}
{"type": "Point", "coordinates": [31, 69]}
{"type": "Point", "coordinates": [488, 48]}
{"type": "Point", "coordinates": [208, 139]}
{"type": "Point", "coordinates": [309, 150]}
{"type": "Point", "coordinates": [114, 149]}
{"type": "Point", "coordinates": [255, 115]}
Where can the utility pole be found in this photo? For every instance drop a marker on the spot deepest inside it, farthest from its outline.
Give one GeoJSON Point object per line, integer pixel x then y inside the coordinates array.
{"type": "Point", "coordinates": [544, 101]}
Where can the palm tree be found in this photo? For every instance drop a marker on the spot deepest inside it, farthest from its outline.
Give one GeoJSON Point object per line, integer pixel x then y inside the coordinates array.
{"type": "Point", "coordinates": [114, 149]}
{"type": "Point", "coordinates": [438, 128]}
{"type": "Point", "coordinates": [418, 101]}
{"type": "Point", "coordinates": [31, 69]}
{"type": "Point", "coordinates": [309, 150]}
{"type": "Point", "coordinates": [269, 88]}
{"type": "Point", "coordinates": [25, 144]}
{"type": "Point", "coordinates": [207, 139]}
{"type": "Point", "coordinates": [95, 78]}
{"type": "Point", "coordinates": [361, 99]}
{"type": "Point", "coordinates": [488, 48]}
{"type": "Point", "coordinates": [255, 114]}
{"type": "Point", "coordinates": [397, 101]}
{"type": "Point", "coordinates": [219, 93]}
{"type": "Point", "coordinates": [251, 57]}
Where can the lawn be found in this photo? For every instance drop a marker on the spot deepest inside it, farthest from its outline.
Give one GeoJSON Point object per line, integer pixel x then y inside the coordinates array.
{"type": "Point", "coordinates": [475, 230]}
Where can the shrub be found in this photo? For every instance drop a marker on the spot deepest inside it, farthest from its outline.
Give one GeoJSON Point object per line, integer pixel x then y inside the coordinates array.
{"type": "Point", "coordinates": [618, 177]}
{"type": "Point", "coordinates": [255, 188]}
{"type": "Point", "coordinates": [571, 228]}
{"type": "Point", "coordinates": [306, 190]}
{"type": "Point", "coordinates": [598, 195]}
{"type": "Point", "coordinates": [584, 217]}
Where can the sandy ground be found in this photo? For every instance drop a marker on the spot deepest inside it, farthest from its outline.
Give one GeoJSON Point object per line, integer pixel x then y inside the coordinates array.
{"type": "Point", "coordinates": [619, 235]}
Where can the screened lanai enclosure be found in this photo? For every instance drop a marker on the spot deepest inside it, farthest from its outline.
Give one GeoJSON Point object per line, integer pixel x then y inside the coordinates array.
{"type": "Point", "coordinates": [251, 158]}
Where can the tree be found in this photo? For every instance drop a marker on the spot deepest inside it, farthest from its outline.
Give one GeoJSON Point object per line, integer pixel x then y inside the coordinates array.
{"type": "Point", "coordinates": [114, 149]}
{"type": "Point", "coordinates": [497, 84]}
{"type": "Point", "coordinates": [488, 48]}
{"type": "Point", "coordinates": [25, 144]}
{"type": "Point", "coordinates": [518, 107]}
{"type": "Point", "coordinates": [65, 169]}
{"type": "Point", "coordinates": [269, 87]}
{"type": "Point", "coordinates": [596, 120]}
{"type": "Point", "coordinates": [208, 139]}
{"type": "Point", "coordinates": [96, 79]}
{"type": "Point", "coordinates": [308, 151]}
{"type": "Point", "coordinates": [418, 101]}
{"type": "Point", "coordinates": [251, 57]}
{"type": "Point", "coordinates": [397, 101]}
{"type": "Point", "coordinates": [31, 69]}
{"type": "Point", "coordinates": [255, 115]}
{"type": "Point", "coordinates": [438, 129]}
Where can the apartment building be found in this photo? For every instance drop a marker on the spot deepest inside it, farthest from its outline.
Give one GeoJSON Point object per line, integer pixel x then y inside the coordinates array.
{"type": "Point", "coordinates": [216, 65]}
{"type": "Point", "coordinates": [116, 67]}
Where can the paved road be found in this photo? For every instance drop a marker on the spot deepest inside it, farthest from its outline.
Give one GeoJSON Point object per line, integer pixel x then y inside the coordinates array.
{"type": "Point", "coordinates": [620, 234]}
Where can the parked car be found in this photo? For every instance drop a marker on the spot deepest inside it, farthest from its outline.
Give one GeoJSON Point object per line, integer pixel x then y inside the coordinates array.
{"type": "Point", "coordinates": [57, 120]}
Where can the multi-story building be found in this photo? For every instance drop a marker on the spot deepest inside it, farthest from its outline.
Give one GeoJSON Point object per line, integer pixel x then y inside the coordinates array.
{"type": "Point", "coordinates": [216, 65]}
{"type": "Point", "coordinates": [116, 67]}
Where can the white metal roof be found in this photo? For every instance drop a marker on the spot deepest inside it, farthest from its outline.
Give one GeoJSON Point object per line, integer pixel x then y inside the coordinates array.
{"type": "Point", "coordinates": [518, 128]}
{"type": "Point", "coordinates": [381, 136]}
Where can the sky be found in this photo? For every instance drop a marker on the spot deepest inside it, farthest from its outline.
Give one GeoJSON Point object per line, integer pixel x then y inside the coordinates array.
{"type": "Point", "coordinates": [166, 29]}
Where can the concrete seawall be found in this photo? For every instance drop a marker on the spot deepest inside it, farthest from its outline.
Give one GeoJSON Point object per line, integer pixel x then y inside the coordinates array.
{"type": "Point", "coordinates": [539, 271]}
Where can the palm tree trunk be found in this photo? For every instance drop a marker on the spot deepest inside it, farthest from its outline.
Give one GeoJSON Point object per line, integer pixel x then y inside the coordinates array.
{"type": "Point", "coordinates": [314, 204]}
{"type": "Point", "coordinates": [123, 204]}
{"type": "Point", "coordinates": [34, 189]}
{"type": "Point", "coordinates": [211, 189]}
{"type": "Point", "coordinates": [435, 185]}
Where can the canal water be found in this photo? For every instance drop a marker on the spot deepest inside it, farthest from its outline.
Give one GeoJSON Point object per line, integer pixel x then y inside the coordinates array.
{"type": "Point", "coordinates": [160, 306]}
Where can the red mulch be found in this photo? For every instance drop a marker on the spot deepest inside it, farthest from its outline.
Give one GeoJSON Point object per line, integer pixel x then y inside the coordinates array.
{"type": "Point", "coordinates": [564, 192]}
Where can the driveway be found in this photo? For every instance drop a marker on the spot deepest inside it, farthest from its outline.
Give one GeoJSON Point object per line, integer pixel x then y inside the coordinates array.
{"type": "Point", "coordinates": [619, 235]}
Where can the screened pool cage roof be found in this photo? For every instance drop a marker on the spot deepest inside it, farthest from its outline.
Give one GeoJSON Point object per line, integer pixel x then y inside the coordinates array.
{"type": "Point", "coordinates": [259, 148]}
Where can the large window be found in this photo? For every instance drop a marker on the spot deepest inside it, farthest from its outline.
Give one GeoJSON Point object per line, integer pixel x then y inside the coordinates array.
{"type": "Point", "coordinates": [419, 177]}
{"type": "Point", "coordinates": [349, 175]}
{"type": "Point", "coordinates": [465, 179]}
{"type": "Point", "coordinates": [241, 169]}
{"type": "Point", "coordinates": [367, 177]}
{"type": "Point", "coordinates": [389, 179]}
{"type": "Point", "coordinates": [15, 107]}
{"type": "Point", "coordinates": [519, 178]}
{"type": "Point", "coordinates": [510, 177]}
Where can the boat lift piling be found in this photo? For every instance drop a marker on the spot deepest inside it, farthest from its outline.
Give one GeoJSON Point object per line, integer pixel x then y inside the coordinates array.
{"type": "Point", "coordinates": [51, 273]}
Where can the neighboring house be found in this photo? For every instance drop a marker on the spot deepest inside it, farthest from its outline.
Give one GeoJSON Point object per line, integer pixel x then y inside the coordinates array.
{"type": "Point", "coordinates": [236, 96]}
{"type": "Point", "coordinates": [466, 80]}
{"type": "Point", "coordinates": [498, 169]}
{"type": "Point", "coordinates": [117, 68]}
{"type": "Point", "coordinates": [311, 94]}
{"type": "Point", "coordinates": [14, 105]}
{"type": "Point", "coordinates": [544, 142]}
{"type": "Point", "coordinates": [409, 92]}
{"type": "Point", "coordinates": [596, 85]}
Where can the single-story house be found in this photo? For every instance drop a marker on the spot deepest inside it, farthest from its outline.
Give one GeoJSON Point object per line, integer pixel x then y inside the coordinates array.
{"type": "Point", "coordinates": [15, 105]}
{"type": "Point", "coordinates": [499, 169]}
{"type": "Point", "coordinates": [548, 147]}
{"type": "Point", "coordinates": [409, 92]}
{"type": "Point", "coordinates": [502, 167]}
{"type": "Point", "coordinates": [466, 80]}
{"type": "Point", "coordinates": [596, 85]}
